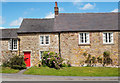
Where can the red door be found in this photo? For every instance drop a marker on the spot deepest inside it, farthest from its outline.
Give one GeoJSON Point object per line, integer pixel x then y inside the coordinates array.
{"type": "Point", "coordinates": [27, 58]}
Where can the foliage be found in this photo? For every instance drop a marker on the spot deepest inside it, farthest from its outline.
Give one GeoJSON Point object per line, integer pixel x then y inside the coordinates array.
{"type": "Point", "coordinates": [52, 59]}
{"type": "Point", "coordinates": [99, 59]}
{"type": "Point", "coordinates": [6, 64]}
{"type": "Point", "coordinates": [16, 62]}
{"type": "Point", "coordinates": [68, 64]}
{"type": "Point", "coordinates": [93, 60]}
{"type": "Point", "coordinates": [106, 58]}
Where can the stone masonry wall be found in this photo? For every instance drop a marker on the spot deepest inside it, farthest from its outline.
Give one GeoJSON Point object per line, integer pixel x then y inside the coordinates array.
{"type": "Point", "coordinates": [31, 42]}
{"type": "Point", "coordinates": [72, 51]}
{"type": "Point", "coordinates": [5, 54]}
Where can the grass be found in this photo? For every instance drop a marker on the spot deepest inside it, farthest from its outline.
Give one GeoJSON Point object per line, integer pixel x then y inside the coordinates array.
{"type": "Point", "coordinates": [8, 70]}
{"type": "Point", "coordinates": [73, 71]}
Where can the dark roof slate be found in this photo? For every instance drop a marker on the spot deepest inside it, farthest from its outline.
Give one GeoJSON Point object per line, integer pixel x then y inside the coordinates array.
{"type": "Point", "coordinates": [86, 22]}
{"type": "Point", "coordinates": [36, 25]}
{"type": "Point", "coordinates": [8, 33]}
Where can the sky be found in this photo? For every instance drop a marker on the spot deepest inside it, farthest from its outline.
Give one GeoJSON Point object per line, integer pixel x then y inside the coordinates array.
{"type": "Point", "coordinates": [14, 12]}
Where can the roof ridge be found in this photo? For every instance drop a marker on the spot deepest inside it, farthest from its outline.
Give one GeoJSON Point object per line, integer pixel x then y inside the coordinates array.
{"type": "Point", "coordinates": [38, 18]}
{"type": "Point", "coordinates": [93, 13]}
{"type": "Point", "coordinates": [10, 28]}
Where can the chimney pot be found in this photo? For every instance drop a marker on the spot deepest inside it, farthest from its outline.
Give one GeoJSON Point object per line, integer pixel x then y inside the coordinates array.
{"type": "Point", "coordinates": [56, 9]}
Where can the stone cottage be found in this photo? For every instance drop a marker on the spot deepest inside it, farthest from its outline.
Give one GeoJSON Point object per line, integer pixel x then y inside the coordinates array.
{"type": "Point", "coordinates": [70, 34]}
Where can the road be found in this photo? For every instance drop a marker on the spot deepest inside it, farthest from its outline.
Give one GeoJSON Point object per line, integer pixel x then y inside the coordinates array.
{"type": "Point", "coordinates": [21, 77]}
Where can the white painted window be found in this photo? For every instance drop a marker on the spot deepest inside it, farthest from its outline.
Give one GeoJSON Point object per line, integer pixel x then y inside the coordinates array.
{"type": "Point", "coordinates": [44, 40]}
{"type": "Point", "coordinates": [40, 55]}
{"type": "Point", "coordinates": [41, 40]}
{"type": "Point", "coordinates": [13, 44]}
{"type": "Point", "coordinates": [107, 37]}
{"type": "Point", "coordinates": [10, 44]}
{"type": "Point", "coordinates": [84, 38]}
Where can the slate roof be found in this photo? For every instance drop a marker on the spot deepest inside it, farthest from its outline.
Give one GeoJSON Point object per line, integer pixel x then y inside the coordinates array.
{"type": "Point", "coordinates": [86, 22]}
{"type": "Point", "coordinates": [72, 22]}
{"type": "Point", "coordinates": [66, 22]}
{"type": "Point", "coordinates": [8, 33]}
{"type": "Point", "coordinates": [36, 25]}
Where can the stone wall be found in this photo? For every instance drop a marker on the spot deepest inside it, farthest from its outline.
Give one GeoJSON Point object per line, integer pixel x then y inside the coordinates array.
{"type": "Point", "coordinates": [5, 54]}
{"type": "Point", "coordinates": [31, 43]}
{"type": "Point", "coordinates": [72, 51]}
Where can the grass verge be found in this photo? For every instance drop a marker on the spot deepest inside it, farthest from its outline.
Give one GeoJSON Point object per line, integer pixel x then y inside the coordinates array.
{"type": "Point", "coordinates": [73, 71]}
{"type": "Point", "coordinates": [8, 70]}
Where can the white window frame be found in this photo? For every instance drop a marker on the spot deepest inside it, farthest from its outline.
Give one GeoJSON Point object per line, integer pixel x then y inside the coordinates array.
{"type": "Point", "coordinates": [112, 41]}
{"type": "Point", "coordinates": [11, 44]}
{"type": "Point", "coordinates": [40, 40]}
{"type": "Point", "coordinates": [48, 39]}
{"type": "Point", "coordinates": [84, 38]}
{"type": "Point", "coordinates": [44, 40]}
{"type": "Point", "coordinates": [40, 55]}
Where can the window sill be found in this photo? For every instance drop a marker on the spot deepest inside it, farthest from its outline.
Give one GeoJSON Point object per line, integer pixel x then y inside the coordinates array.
{"type": "Point", "coordinates": [84, 45]}
{"type": "Point", "coordinates": [109, 44]}
{"type": "Point", "coordinates": [13, 50]}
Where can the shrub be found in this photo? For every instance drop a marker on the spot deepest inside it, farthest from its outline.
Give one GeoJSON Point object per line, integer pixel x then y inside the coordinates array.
{"type": "Point", "coordinates": [6, 64]}
{"type": "Point", "coordinates": [64, 65]}
{"type": "Point", "coordinates": [52, 59]}
{"type": "Point", "coordinates": [99, 59]}
{"type": "Point", "coordinates": [106, 58]}
{"type": "Point", "coordinates": [68, 64]}
{"type": "Point", "coordinates": [16, 62]}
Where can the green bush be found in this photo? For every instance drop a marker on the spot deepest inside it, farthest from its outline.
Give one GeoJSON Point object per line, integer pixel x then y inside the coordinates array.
{"type": "Point", "coordinates": [16, 62]}
{"type": "Point", "coordinates": [99, 59]}
{"type": "Point", "coordinates": [106, 58]}
{"type": "Point", "coordinates": [52, 59]}
{"type": "Point", "coordinates": [6, 64]}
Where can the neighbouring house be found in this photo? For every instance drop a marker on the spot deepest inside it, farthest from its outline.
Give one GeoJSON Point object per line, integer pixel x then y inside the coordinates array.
{"type": "Point", "coordinates": [70, 34]}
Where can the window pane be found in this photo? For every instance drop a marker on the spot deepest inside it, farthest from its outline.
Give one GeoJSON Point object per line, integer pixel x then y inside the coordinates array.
{"type": "Point", "coordinates": [47, 39]}
{"type": "Point", "coordinates": [14, 44]}
{"type": "Point", "coordinates": [41, 39]}
{"type": "Point", "coordinates": [10, 44]}
{"type": "Point", "coordinates": [84, 38]}
{"type": "Point", "coordinates": [108, 37]}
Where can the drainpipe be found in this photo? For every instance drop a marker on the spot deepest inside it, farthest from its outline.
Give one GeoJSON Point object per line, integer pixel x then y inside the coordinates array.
{"type": "Point", "coordinates": [19, 46]}
{"type": "Point", "coordinates": [59, 44]}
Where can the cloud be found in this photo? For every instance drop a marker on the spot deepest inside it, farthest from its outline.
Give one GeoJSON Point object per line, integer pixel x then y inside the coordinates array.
{"type": "Point", "coordinates": [77, 2]}
{"type": "Point", "coordinates": [115, 10]}
{"type": "Point", "coordinates": [16, 22]}
{"type": "Point", "coordinates": [61, 9]}
{"type": "Point", "coordinates": [1, 27]}
{"type": "Point", "coordinates": [2, 0]}
{"type": "Point", "coordinates": [87, 7]}
{"type": "Point", "coordinates": [50, 15]}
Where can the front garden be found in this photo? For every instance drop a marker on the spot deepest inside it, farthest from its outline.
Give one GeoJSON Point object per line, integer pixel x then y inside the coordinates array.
{"type": "Point", "coordinates": [53, 64]}
{"type": "Point", "coordinates": [8, 70]}
{"type": "Point", "coordinates": [73, 71]}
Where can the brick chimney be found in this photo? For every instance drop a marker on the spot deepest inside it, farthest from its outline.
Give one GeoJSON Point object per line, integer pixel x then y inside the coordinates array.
{"type": "Point", "coordinates": [56, 9]}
